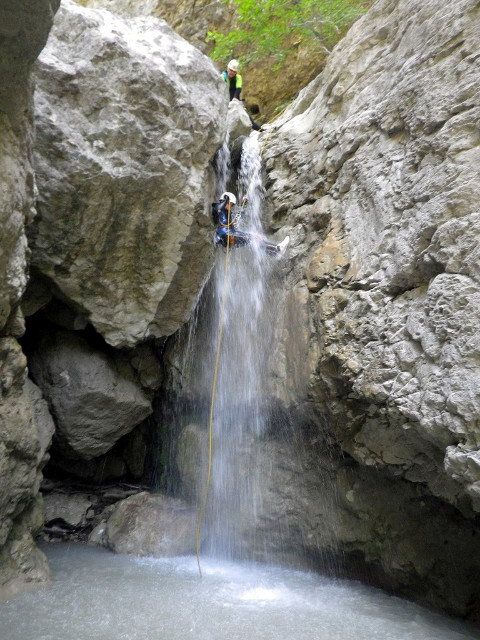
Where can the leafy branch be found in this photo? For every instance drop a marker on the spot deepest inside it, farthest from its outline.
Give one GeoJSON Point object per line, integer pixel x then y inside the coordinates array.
{"type": "Point", "coordinates": [272, 28]}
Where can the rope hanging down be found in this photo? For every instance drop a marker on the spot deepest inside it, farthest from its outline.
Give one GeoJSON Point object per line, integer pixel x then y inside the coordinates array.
{"type": "Point", "coordinates": [212, 402]}
{"type": "Point", "coordinates": [215, 376]}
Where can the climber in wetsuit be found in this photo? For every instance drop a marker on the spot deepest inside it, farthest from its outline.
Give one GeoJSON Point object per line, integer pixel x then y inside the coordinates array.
{"type": "Point", "coordinates": [226, 220]}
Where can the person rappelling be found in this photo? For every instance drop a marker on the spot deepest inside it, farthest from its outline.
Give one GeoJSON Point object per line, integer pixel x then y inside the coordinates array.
{"type": "Point", "coordinates": [226, 218]}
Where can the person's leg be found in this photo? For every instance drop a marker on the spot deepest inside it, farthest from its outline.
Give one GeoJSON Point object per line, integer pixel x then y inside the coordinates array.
{"type": "Point", "coordinates": [241, 238]}
{"type": "Point", "coordinates": [275, 249]}
{"type": "Point", "coordinates": [270, 248]}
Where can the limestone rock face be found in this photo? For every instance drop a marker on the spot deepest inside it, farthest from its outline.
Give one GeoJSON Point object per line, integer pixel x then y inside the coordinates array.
{"type": "Point", "coordinates": [301, 500]}
{"type": "Point", "coordinates": [43, 420]}
{"type": "Point", "coordinates": [70, 509]}
{"type": "Point", "coordinates": [374, 173]}
{"type": "Point", "coordinates": [93, 395]}
{"type": "Point", "coordinates": [385, 157]}
{"type": "Point", "coordinates": [262, 89]}
{"type": "Point", "coordinates": [128, 116]}
{"type": "Point", "coordinates": [238, 121]}
{"type": "Point", "coordinates": [23, 442]}
{"type": "Point", "coordinates": [24, 29]}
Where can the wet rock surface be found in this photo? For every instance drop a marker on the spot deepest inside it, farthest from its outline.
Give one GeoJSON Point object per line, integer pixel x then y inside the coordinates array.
{"type": "Point", "coordinates": [371, 456]}
{"type": "Point", "coordinates": [148, 524]}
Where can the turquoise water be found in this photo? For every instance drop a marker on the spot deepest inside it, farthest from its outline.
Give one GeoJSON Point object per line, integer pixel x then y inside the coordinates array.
{"type": "Point", "coordinates": [95, 594]}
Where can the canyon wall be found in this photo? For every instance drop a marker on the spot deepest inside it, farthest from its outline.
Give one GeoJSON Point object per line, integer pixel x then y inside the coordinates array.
{"type": "Point", "coordinates": [25, 425]}
{"type": "Point", "coordinates": [374, 172]}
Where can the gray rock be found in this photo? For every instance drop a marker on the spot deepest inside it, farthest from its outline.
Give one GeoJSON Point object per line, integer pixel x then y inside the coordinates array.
{"type": "Point", "coordinates": [24, 32]}
{"type": "Point", "coordinates": [147, 524]}
{"type": "Point", "coordinates": [238, 121]}
{"type": "Point", "coordinates": [391, 268]}
{"type": "Point", "coordinates": [300, 500]}
{"type": "Point", "coordinates": [129, 117]}
{"type": "Point", "coordinates": [374, 174]}
{"type": "Point", "coordinates": [147, 366]}
{"type": "Point", "coordinates": [22, 456]}
{"type": "Point", "coordinates": [43, 420]}
{"type": "Point", "coordinates": [72, 508]}
{"type": "Point", "coordinates": [25, 27]}
{"type": "Point", "coordinates": [94, 396]}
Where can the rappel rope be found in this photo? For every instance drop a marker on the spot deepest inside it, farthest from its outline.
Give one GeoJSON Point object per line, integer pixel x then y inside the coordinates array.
{"type": "Point", "coordinates": [215, 372]}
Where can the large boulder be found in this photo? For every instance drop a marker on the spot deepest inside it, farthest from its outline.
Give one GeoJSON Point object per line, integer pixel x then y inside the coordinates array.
{"type": "Point", "coordinates": [149, 524]}
{"type": "Point", "coordinates": [94, 395]}
{"type": "Point", "coordinates": [263, 90]}
{"type": "Point", "coordinates": [129, 117]}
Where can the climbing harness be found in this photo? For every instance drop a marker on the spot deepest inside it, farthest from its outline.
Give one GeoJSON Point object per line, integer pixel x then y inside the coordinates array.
{"type": "Point", "coordinates": [230, 240]}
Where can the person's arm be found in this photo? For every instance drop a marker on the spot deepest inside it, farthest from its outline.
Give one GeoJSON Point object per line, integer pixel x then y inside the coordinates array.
{"type": "Point", "coordinates": [238, 86]}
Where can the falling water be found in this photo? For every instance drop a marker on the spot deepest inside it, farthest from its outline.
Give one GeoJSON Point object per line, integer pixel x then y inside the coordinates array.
{"type": "Point", "coordinates": [241, 306]}
{"type": "Point", "coordinates": [97, 594]}
{"type": "Point", "coordinates": [236, 315]}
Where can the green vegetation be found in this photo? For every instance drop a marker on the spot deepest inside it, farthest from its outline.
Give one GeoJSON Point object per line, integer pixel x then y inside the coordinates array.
{"type": "Point", "coordinates": [271, 28]}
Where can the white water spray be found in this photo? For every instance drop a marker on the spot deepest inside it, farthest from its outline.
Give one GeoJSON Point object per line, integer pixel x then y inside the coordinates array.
{"type": "Point", "coordinates": [238, 302]}
{"type": "Point", "coordinates": [241, 396]}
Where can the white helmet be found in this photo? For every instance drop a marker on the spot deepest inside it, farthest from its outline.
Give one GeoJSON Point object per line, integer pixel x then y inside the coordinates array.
{"type": "Point", "coordinates": [233, 65]}
{"type": "Point", "coordinates": [230, 197]}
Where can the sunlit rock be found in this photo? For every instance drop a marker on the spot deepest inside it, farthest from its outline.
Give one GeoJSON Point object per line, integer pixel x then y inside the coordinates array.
{"type": "Point", "coordinates": [238, 121]}
{"type": "Point", "coordinates": [129, 117]}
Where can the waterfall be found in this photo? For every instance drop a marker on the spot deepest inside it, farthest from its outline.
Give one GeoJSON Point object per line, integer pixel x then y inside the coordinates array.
{"type": "Point", "coordinates": [240, 404]}
{"type": "Point", "coordinates": [241, 399]}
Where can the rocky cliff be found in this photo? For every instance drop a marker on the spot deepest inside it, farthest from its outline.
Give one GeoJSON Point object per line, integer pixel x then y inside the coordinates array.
{"type": "Point", "coordinates": [25, 425]}
{"type": "Point", "coordinates": [372, 462]}
{"type": "Point", "coordinates": [264, 95]}
{"type": "Point", "coordinates": [374, 171]}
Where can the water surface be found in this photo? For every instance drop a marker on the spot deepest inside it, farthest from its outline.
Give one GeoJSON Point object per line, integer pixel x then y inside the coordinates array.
{"type": "Point", "coordinates": [96, 594]}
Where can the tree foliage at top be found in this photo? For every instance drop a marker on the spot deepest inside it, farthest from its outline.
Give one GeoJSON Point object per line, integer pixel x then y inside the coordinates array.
{"type": "Point", "coordinates": [269, 28]}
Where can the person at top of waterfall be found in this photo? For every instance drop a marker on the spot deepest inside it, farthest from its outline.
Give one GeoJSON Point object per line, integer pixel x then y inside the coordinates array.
{"type": "Point", "coordinates": [226, 219]}
{"type": "Point", "coordinates": [233, 79]}
{"type": "Point", "coordinates": [234, 82]}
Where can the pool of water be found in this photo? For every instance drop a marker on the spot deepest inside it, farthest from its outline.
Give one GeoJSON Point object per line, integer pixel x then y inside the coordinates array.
{"type": "Point", "coordinates": [95, 594]}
